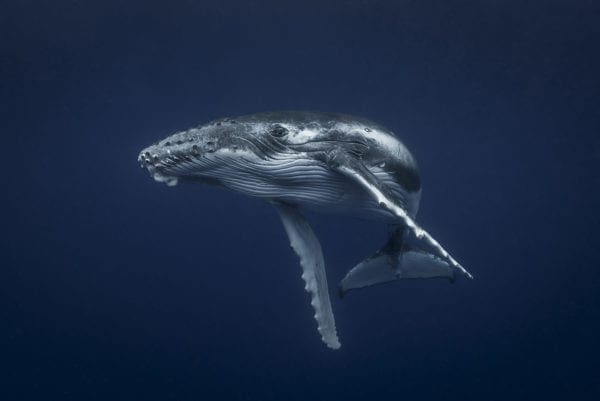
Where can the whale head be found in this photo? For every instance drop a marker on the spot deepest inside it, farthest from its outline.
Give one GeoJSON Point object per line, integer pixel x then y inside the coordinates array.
{"type": "Point", "coordinates": [212, 151]}
{"type": "Point", "coordinates": [254, 144]}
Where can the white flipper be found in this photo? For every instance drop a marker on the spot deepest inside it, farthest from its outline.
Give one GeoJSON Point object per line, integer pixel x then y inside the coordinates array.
{"type": "Point", "coordinates": [307, 247]}
{"type": "Point", "coordinates": [362, 177]}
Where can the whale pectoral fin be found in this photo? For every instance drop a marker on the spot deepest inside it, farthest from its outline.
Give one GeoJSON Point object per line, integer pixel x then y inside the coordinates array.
{"type": "Point", "coordinates": [306, 245]}
{"type": "Point", "coordinates": [395, 261]}
{"type": "Point", "coordinates": [355, 170]}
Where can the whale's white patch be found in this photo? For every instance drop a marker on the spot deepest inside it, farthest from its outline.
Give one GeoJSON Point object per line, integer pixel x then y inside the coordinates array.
{"type": "Point", "coordinates": [169, 181]}
{"type": "Point", "coordinates": [306, 135]}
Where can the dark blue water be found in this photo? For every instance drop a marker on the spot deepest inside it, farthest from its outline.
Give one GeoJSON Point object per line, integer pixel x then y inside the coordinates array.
{"type": "Point", "coordinates": [114, 287]}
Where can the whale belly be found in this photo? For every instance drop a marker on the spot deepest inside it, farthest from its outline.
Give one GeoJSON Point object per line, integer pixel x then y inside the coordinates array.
{"type": "Point", "coordinates": [308, 184]}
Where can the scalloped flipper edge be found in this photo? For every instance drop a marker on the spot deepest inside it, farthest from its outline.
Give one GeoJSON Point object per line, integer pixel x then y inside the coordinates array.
{"type": "Point", "coordinates": [306, 245]}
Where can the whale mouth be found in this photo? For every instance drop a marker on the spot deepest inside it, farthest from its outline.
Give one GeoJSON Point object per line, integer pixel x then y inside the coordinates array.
{"type": "Point", "coordinates": [173, 166]}
{"type": "Point", "coordinates": [157, 167]}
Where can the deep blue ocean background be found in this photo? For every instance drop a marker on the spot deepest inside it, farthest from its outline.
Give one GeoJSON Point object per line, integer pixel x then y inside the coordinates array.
{"type": "Point", "coordinates": [114, 287]}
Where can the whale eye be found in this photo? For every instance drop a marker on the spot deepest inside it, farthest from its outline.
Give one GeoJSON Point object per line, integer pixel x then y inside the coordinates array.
{"type": "Point", "coordinates": [278, 131]}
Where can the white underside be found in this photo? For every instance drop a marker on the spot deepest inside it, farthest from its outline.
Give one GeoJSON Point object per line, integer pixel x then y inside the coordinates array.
{"type": "Point", "coordinates": [299, 181]}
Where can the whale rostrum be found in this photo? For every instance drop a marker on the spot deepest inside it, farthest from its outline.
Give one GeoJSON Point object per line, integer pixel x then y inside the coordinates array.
{"type": "Point", "coordinates": [316, 161]}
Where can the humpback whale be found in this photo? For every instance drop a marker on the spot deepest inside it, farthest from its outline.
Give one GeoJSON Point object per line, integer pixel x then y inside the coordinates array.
{"type": "Point", "coordinates": [321, 161]}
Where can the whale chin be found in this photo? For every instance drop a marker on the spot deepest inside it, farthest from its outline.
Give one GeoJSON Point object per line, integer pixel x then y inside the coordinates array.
{"type": "Point", "coordinates": [168, 180]}
{"type": "Point", "coordinates": [159, 176]}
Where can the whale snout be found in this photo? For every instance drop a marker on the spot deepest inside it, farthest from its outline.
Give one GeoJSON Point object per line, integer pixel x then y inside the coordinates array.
{"type": "Point", "coordinates": [152, 158]}
{"type": "Point", "coordinates": [157, 162]}
{"type": "Point", "coordinates": [147, 158]}
{"type": "Point", "coordinates": [181, 156]}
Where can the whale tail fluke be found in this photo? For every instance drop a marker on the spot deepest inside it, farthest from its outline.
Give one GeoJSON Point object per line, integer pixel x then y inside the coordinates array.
{"type": "Point", "coordinates": [398, 259]}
